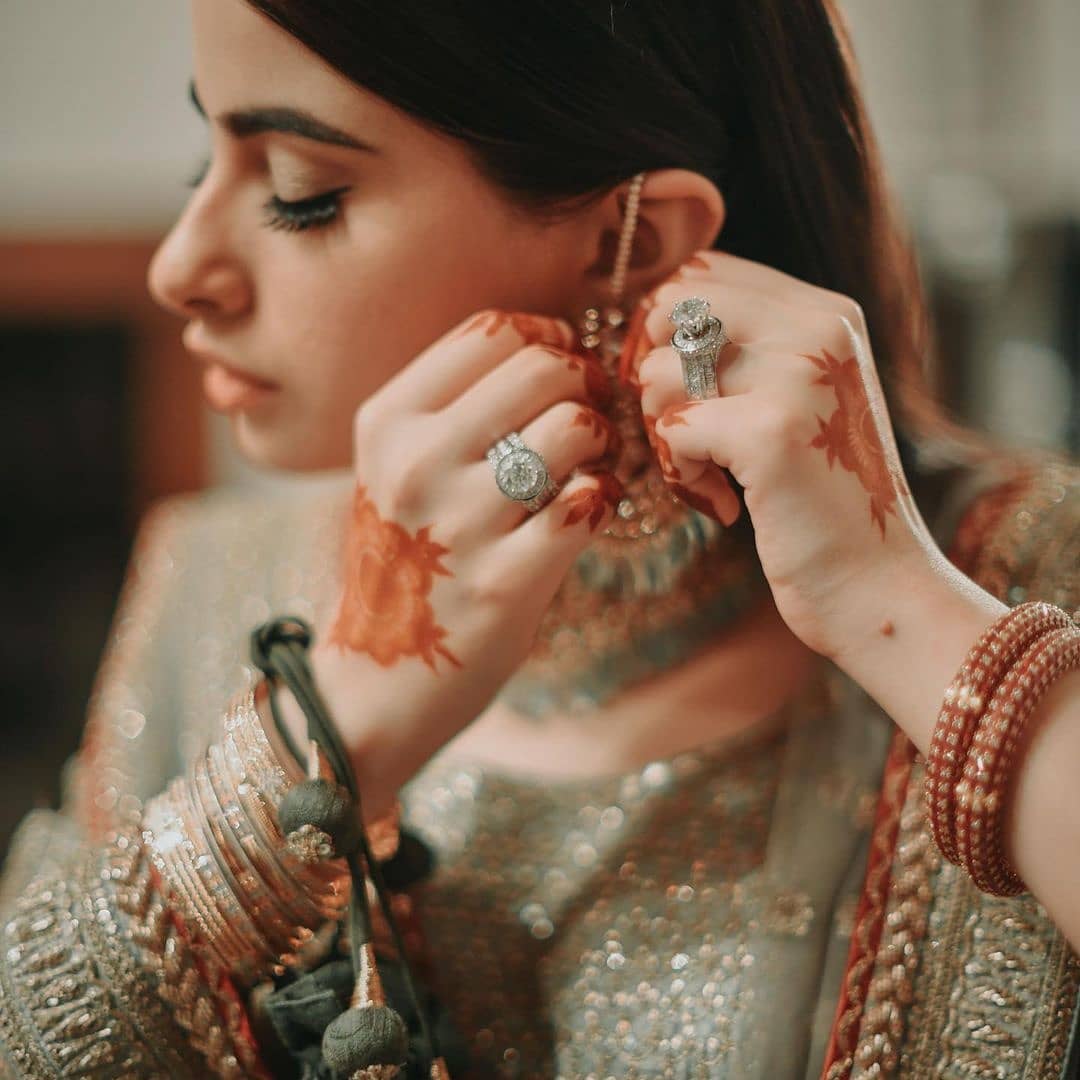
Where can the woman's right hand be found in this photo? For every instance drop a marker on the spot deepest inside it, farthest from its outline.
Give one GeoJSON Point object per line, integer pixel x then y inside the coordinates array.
{"type": "Point", "coordinates": [445, 579]}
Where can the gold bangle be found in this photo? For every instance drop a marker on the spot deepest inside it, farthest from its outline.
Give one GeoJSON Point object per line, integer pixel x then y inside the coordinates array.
{"type": "Point", "coordinates": [325, 887]}
{"type": "Point", "coordinates": [165, 837]}
{"type": "Point", "coordinates": [261, 920]}
{"type": "Point", "coordinates": [267, 902]}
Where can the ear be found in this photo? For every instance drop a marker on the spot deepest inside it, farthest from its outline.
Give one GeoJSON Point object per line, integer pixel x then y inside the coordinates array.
{"type": "Point", "coordinates": [681, 212]}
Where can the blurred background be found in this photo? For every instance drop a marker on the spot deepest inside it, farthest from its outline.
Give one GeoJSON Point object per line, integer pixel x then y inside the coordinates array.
{"type": "Point", "coordinates": [977, 107]}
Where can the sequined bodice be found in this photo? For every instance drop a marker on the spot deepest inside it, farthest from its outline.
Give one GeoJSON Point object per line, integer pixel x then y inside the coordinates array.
{"type": "Point", "coordinates": [629, 926]}
{"type": "Point", "coordinates": [599, 924]}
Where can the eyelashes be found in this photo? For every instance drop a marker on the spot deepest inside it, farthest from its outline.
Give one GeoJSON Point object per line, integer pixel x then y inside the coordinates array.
{"type": "Point", "coordinates": [316, 212]}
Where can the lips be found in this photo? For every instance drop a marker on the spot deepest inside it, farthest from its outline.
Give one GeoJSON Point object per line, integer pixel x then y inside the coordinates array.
{"type": "Point", "coordinates": [228, 388]}
{"type": "Point", "coordinates": [206, 355]}
{"type": "Point", "coordinates": [228, 392]}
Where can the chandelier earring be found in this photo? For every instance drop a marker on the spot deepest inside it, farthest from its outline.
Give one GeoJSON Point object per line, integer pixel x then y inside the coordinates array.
{"type": "Point", "coordinates": [649, 510]}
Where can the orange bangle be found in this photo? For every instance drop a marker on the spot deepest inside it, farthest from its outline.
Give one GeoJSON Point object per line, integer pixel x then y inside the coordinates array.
{"type": "Point", "coordinates": [981, 796]}
{"type": "Point", "coordinates": [989, 659]}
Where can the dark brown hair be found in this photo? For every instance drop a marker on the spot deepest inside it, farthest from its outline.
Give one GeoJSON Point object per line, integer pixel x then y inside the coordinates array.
{"type": "Point", "coordinates": [560, 100]}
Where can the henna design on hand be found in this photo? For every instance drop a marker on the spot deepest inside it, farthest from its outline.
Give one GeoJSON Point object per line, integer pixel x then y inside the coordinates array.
{"type": "Point", "coordinates": [850, 436]}
{"type": "Point", "coordinates": [592, 503]}
{"type": "Point", "coordinates": [601, 427]}
{"type": "Point", "coordinates": [385, 609]}
{"type": "Point", "coordinates": [673, 415]}
{"type": "Point", "coordinates": [530, 328]}
{"type": "Point", "coordinates": [597, 384]}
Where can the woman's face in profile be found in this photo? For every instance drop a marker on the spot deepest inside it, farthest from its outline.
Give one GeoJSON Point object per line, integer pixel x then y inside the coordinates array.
{"type": "Point", "coordinates": [394, 238]}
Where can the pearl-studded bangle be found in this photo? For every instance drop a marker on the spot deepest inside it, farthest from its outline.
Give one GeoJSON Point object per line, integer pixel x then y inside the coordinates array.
{"type": "Point", "coordinates": [981, 796]}
{"type": "Point", "coordinates": [987, 663]}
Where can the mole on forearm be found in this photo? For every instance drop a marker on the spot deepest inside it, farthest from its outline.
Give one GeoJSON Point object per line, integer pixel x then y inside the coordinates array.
{"type": "Point", "coordinates": [887, 629]}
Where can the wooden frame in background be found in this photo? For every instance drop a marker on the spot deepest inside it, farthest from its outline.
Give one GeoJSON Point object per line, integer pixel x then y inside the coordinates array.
{"type": "Point", "coordinates": [86, 280]}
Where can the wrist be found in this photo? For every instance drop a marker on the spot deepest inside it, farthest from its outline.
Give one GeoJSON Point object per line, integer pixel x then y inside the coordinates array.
{"type": "Point", "coordinates": [379, 751]}
{"type": "Point", "coordinates": [908, 634]}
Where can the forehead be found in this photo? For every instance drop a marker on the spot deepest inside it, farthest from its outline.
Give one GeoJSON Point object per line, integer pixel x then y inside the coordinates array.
{"type": "Point", "coordinates": [243, 59]}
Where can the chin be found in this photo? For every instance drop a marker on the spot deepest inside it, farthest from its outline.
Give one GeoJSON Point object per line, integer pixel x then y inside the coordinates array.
{"type": "Point", "coordinates": [270, 447]}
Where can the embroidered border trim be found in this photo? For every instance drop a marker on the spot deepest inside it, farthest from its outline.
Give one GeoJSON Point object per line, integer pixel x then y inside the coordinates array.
{"type": "Point", "coordinates": [870, 914]}
{"type": "Point", "coordinates": [70, 998]}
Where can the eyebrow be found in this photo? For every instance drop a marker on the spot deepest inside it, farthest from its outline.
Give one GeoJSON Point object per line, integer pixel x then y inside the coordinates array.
{"type": "Point", "coordinates": [245, 123]}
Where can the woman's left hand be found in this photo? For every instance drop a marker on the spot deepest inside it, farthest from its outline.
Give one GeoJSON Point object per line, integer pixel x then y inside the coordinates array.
{"type": "Point", "coordinates": [802, 427]}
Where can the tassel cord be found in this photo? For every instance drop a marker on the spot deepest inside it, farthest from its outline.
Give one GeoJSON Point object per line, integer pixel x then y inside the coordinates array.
{"type": "Point", "coordinates": [278, 649]}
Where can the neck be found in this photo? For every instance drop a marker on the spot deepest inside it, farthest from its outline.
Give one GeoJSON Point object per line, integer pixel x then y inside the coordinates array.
{"type": "Point", "coordinates": [731, 690]}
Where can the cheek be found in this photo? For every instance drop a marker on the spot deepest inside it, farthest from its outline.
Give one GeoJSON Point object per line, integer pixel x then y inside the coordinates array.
{"type": "Point", "coordinates": [335, 338]}
{"type": "Point", "coordinates": [360, 309]}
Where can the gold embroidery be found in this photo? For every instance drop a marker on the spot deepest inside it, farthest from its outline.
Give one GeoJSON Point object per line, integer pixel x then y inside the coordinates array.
{"type": "Point", "coordinates": [848, 1026]}
{"type": "Point", "coordinates": [74, 1001]}
{"type": "Point", "coordinates": [904, 926]}
{"type": "Point", "coordinates": [201, 1002]}
{"type": "Point", "coordinates": [996, 992]}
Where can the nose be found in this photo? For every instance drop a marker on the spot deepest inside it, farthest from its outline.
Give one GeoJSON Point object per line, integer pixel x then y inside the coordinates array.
{"type": "Point", "coordinates": [196, 271]}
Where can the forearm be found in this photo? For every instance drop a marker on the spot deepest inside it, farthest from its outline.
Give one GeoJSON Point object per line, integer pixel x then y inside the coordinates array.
{"type": "Point", "coordinates": [935, 619]}
{"type": "Point", "coordinates": [907, 636]}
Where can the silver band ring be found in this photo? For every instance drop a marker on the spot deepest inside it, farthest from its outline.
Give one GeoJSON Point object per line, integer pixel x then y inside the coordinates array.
{"type": "Point", "coordinates": [522, 474]}
{"type": "Point", "coordinates": [698, 339]}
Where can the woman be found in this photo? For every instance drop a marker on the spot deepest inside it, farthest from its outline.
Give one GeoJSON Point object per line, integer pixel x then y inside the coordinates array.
{"type": "Point", "coordinates": [658, 725]}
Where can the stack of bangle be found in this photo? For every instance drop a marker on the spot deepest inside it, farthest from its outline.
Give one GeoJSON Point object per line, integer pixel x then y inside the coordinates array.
{"type": "Point", "coordinates": [978, 733]}
{"type": "Point", "coordinates": [213, 838]}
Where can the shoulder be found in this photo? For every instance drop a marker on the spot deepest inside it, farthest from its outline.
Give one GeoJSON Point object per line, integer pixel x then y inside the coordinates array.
{"type": "Point", "coordinates": [1018, 530]}
{"type": "Point", "coordinates": [255, 518]}
{"type": "Point", "coordinates": [199, 558]}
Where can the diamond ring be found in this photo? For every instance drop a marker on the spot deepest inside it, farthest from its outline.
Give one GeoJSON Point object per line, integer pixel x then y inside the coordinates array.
{"type": "Point", "coordinates": [522, 474]}
{"type": "Point", "coordinates": [698, 339]}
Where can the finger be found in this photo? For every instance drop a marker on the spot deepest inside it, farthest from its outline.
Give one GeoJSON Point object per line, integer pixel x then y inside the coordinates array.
{"type": "Point", "coordinates": [699, 433]}
{"type": "Point", "coordinates": [749, 316]}
{"type": "Point", "coordinates": [733, 269]}
{"type": "Point", "coordinates": [711, 494]}
{"type": "Point", "coordinates": [567, 436]}
{"type": "Point", "coordinates": [758, 439]}
{"type": "Point", "coordinates": [661, 376]}
{"type": "Point", "coordinates": [694, 479]}
{"type": "Point", "coordinates": [447, 367]}
{"type": "Point", "coordinates": [527, 383]}
{"type": "Point", "coordinates": [559, 533]}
